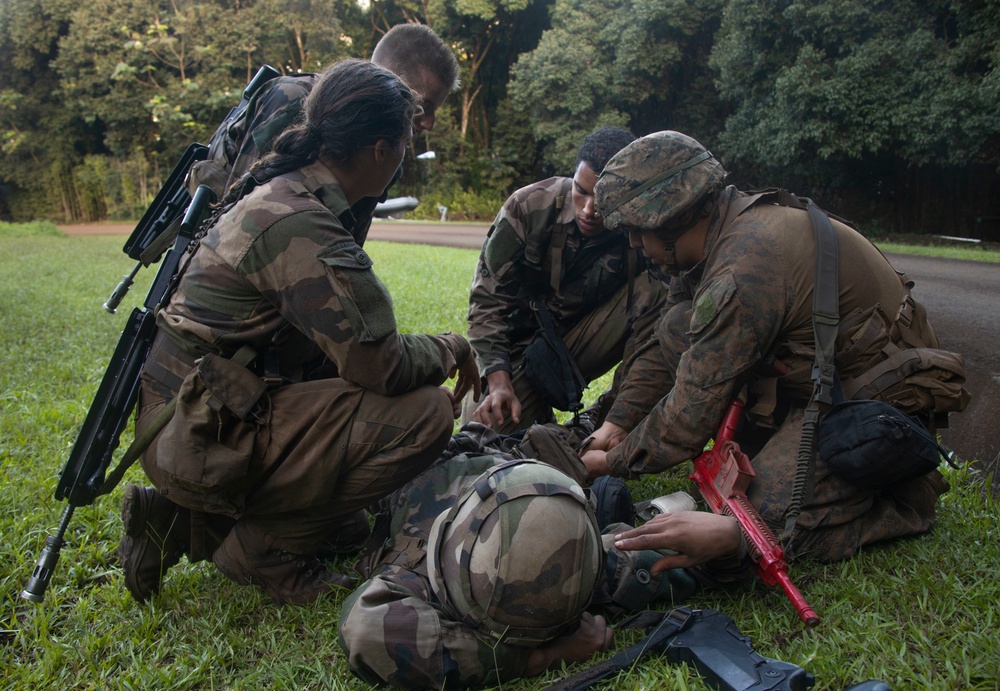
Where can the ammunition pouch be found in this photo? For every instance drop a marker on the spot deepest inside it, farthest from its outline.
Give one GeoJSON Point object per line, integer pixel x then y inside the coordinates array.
{"type": "Point", "coordinates": [206, 448]}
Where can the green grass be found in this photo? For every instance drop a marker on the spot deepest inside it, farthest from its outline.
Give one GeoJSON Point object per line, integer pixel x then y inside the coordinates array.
{"type": "Point", "coordinates": [32, 229]}
{"type": "Point", "coordinates": [920, 613]}
{"type": "Point", "coordinates": [969, 252]}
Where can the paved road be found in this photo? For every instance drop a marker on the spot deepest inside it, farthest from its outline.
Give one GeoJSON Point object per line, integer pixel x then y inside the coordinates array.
{"type": "Point", "coordinates": [961, 301]}
{"type": "Point", "coordinates": [960, 296]}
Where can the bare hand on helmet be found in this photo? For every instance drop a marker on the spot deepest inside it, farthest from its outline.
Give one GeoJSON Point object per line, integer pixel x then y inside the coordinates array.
{"type": "Point", "coordinates": [501, 399]}
{"type": "Point", "coordinates": [593, 636]}
{"type": "Point", "coordinates": [696, 536]}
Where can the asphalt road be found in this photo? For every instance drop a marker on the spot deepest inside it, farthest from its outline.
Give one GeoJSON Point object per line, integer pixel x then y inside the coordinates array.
{"type": "Point", "coordinates": [960, 297]}
{"type": "Point", "coordinates": [961, 301]}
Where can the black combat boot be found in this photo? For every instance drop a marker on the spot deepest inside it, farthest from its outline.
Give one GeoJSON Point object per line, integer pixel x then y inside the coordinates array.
{"type": "Point", "coordinates": [156, 533]}
{"type": "Point", "coordinates": [288, 578]}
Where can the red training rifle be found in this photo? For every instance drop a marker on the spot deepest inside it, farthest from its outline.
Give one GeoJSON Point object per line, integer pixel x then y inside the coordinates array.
{"type": "Point", "coordinates": [722, 475]}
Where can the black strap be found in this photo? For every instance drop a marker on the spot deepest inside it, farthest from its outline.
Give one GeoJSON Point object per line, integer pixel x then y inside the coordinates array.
{"type": "Point", "coordinates": [664, 626]}
{"type": "Point", "coordinates": [548, 328]}
{"type": "Point", "coordinates": [826, 389]}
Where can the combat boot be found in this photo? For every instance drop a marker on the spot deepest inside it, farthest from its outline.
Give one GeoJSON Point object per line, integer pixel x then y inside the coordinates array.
{"type": "Point", "coordinates": [350, 536]}
{"type": "Point", "coordinates": [288, 578]}
{"type": "Point", "coordinates": [155, 539]}
{"type": "Point", "coordinates": [921, 493]}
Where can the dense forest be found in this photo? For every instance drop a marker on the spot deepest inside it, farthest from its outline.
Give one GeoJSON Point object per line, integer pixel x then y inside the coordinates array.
{"type": "Point", "coordinates": [884, 111]}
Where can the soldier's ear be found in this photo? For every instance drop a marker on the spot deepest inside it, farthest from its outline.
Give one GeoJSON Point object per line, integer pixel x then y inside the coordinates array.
{"type": "Point", "coordinates": [382, 149]}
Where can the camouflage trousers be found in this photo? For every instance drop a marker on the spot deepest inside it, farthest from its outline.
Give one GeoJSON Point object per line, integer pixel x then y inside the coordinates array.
{"type": "Point", "coordinates": [329, 449]}
{"type": "Point", "coordinates": [837, 518]}
{"type": "Point", "coordinates": [603, 338]}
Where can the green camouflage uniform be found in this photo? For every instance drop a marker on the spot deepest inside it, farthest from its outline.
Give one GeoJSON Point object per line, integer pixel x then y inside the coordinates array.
{"type": "Point", "coordinates": [357, 411]}
{"type": "Point", "coordinates": [534, 249]}
{"type": "Point", "coordinates": [751, 296]}
{"type": "Point", "coordinates": [240, 144]}
{"type": "Point", "coordinates": [396, 631]}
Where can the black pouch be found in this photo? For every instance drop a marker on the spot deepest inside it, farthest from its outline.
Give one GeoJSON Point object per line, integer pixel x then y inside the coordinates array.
{"type": "Point", "coordinates": [553, 374]}
{"type": "Point", "coordinates": [549, 367]}
{"type": "Point", "coordinates": [874, 446]}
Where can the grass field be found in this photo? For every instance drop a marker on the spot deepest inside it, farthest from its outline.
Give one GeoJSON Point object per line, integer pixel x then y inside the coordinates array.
{"type": "Point", "coordinates": [920, 614]}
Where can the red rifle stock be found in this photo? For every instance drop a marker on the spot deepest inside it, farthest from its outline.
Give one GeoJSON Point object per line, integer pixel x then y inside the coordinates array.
{"type": "Point", "coordinates": [722, 475]}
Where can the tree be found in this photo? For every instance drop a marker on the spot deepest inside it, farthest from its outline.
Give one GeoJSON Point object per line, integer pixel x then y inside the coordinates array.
{"type": "Point", "coordinates": [641, 63]}
{"type": "Point", "coordinates": [38, 137]}
{"type": "Point", "coordinates": [897, 99]}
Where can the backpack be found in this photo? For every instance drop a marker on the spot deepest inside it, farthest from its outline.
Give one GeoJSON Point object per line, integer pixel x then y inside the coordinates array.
{"type": "Point", "coordinates": [270, 103]}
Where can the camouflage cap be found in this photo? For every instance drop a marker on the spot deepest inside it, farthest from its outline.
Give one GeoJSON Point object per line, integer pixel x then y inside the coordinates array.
{"type": "Point", "coordinates": [655, 179]}
{"type": "Point", "coordinates": [518, 556]}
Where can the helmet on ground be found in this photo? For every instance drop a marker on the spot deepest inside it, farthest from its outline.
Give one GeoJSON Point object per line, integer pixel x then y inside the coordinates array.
{"type": "Point", "coordinates": [655, 180]}
{"type": "Point", "coordinates": [518, 555]}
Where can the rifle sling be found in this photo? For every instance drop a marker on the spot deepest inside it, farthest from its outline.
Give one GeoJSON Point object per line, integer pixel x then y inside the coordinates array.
{"type": "Point", "coordinates": [826, 321]}
{"type": "Point", "coordinates": [244, 356]}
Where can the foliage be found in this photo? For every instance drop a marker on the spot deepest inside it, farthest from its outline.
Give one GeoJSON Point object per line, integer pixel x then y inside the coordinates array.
{"type": "Point", "coordinates": [896, 102]}
{"type": "Point", "coordinates": [919, 614]}
{"type": "Point", "coordinates": [639, 63]}
{"type": "Point", "coordinates": [887, 112]}
{"type": "Point", "coordinates": [968, 252]}
{"type": "Point", "coordinates": [461, 205]}
{"type": "Point", "coordinates": [810, 80]}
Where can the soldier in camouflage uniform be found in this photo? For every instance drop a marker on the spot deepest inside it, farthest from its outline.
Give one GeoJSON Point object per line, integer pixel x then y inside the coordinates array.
{"type": "Point", "coordinates": [413, 52]}
{"type": "Point", "coordinates": [750, 270]}
{"type": "Point", "coordinates": [337, 409]}
{"type": "Point", "coordinates": [486, 571]}
{"type": "Point", "coordinates": [548, 244]}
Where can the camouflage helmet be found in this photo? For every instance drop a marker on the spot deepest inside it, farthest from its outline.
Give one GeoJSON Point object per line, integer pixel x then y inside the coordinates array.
{"type": "Point", "coordinates": [518, 555]}
{"type": "Point", "coordinates": [654, 180]}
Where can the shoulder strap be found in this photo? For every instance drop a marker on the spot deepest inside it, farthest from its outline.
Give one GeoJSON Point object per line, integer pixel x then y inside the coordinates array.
{"type": "Point", "coordinates": [568, 364]}
{"type": "Point", "coordinates": [558, 238]}
{"type": "Point", "coordinates": [826, 320]}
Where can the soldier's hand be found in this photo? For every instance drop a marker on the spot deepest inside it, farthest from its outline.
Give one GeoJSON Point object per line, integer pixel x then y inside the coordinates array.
{"type": "Point", "coordinates": [696, 536]}
{"type": "Point", "coordinates": [468, 380]}
{"type": "Point", "coordinates": [606, 437]}
{"type": "Point", "coordinates": [593, 636]}
{"type": "Point", "coordinates": [501, 399]}
{"type": "Point", "coordinates": [596, 462]}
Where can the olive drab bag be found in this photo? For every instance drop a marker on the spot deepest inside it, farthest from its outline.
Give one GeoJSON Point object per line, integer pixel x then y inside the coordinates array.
{"type": "Point", "coordinates": [205, 449]}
